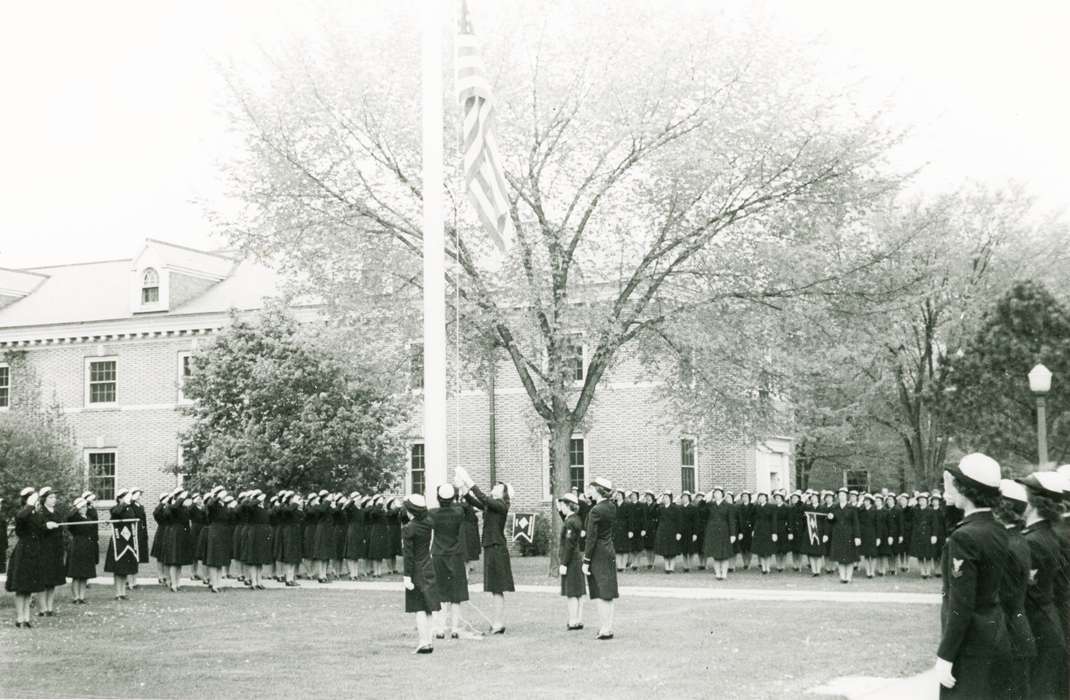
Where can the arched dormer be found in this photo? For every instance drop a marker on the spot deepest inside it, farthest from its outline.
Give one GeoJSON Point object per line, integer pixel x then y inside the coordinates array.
{"type": "Point", "coordinates": [150, 286]}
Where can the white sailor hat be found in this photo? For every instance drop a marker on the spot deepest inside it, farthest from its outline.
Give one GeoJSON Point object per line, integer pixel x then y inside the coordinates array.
{"type": "Point", "coordinates": [354, 495]}
{"type": "Point", "coordinates": [715, 489]}
{"type": "Point", "coordinates": [215, 489]}
{"type": "Point", "coordinates": [602, 482]}
{"type": "Point", "coordinates": [136, 489]}
{"type": "Point", "coordinates": [323, 492]}
{"type": "Point", "coordinates": [445, 492]}
{"type": "Point", "coordinates": [27, 491]}
{"type": "Point", "coordinates": [120, 493]}
{"type": "Point", "coordinates": [978, 469]}
{"type": "Point", "coordinates": [87, 494]}
{"type": "Point", "coordinates": [164, 496]}
{"type": "Point", "coordinates": [1015, 491]}
{"type": "Point", "coordinates": [1047, 484]}
{"type": "Point", "coordinates": [44, 492]}
{"type": "Point", "coordinates": [569, 498]}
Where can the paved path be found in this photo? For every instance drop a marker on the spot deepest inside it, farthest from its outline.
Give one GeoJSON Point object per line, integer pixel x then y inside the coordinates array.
{"type": "Point", "coordinates": [704, 593]}
{"type": "Point", "coordinates": [923, 686]}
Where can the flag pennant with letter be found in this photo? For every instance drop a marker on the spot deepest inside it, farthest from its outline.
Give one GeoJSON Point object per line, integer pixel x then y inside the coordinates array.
{"type": "Point", "coordinates": [811, 526]}
{"type": "Point", "coordinates": [483, 177]}
{"type": "Point", "coordinates": [524, 527]}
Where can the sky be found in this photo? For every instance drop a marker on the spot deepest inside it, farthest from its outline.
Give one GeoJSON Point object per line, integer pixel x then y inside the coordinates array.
{"type": "Point", "coordinates": [112, 128]}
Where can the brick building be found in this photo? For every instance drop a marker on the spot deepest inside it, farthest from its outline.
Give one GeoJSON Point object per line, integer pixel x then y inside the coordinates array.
{"type": "Point", "coordinates": [111, 340]}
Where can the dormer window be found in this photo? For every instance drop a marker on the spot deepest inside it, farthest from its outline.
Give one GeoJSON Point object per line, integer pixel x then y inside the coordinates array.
{"type": "Point", "coordinates": [150, 287]}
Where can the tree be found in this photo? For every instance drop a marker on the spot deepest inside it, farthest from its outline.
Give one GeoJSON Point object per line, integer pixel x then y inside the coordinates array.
{"type": "Point", "coordinates": [274, 409]}
{"type": "Point", "coordinates": [37, 446]}
{"type": "Point", "coordinates": [649, 180]}
{"type": "Point", "coordinates": [989, 405]}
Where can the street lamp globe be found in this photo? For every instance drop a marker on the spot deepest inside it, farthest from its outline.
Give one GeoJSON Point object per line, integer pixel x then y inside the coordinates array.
{"type": "Point", "coordinates": [1040, 380]}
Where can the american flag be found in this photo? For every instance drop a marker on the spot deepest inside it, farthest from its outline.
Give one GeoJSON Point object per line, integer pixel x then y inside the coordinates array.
{"type": "Point", "coordinates": [482, 166]}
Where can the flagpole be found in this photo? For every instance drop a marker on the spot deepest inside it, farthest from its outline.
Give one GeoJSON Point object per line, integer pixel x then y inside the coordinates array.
{"type": "Point", "coordinates": [434, 249]}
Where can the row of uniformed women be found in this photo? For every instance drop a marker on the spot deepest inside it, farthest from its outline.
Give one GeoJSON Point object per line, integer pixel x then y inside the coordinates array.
{"type": "Point", "coordinates": [722, 530]}
{"type": "Point", "coordinates": [326, 535]}
{"type": "Point", "coordinates": [37, 563]}
{"type": "Point", "coordinates": [1006, 585]}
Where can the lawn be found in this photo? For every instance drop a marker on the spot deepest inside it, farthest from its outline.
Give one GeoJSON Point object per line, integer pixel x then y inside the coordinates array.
{"type": "Point", "coordinates": [329, 643]}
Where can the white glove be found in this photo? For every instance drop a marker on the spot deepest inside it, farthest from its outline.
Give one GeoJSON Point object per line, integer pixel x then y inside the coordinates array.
{"type": "Point", "coordinates": [932, 540]}
{"type": "Point", "coordinates": [586, 569]}
{"type": "Point", "coordinates": [900, 539]}
{"type": "Point", "coordinates": [824, 538]}
{"type": "Point", "coordinates": [774, 538]}
{"type": "Point", "coordinates": [630, 534]}
{"type": "Point", "coordinates": [694, 538]}
{"type": "Point", "coordinates": [642, 533]}
{"type": "Point", "coordinates": [562, 569]}
{"type": "Point", "coordinates": [583, 533]}
{"type": "Point", "coordinates": [879, 542]}
{"type": "Point", "coordinates": [731, 539]}
{"type": "Point", "coordinates": [409, 585]}
{"type": "Point", "coordinates": [890, 540]}
{"type": "Point", "coordinates": [678, 536]}
{"type": "Point", "coordinates": [858, 542]}
{"type": "Point", "coordinates": [943, 673]}
{"type": "Point", "coordinates": [51, 525]}
{"type": "Point", "coordinates": [790, 537]}
{"type": "Point", "coordinates": [831, 516]}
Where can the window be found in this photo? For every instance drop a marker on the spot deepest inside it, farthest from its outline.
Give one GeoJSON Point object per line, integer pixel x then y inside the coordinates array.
{"type": "Point", "coordinates": [101, 381]}
{"type": "Point", "coordinates": [572, 354]}
{"type": "Point", "coordinates": [687, 465]}
{"type": "Point", "coordinates": [856, 479]}
{"type": "Point", "coordinates": [150, 287]}
{"type": "Point", "coordinates": [417, 473]}
{"type": "Point", "coordinates": [5, 386]}
{"type": "Point", "coordinates": [416, 365]}
{"type": "Point", "coordinates": [185, 371]}
{"type": "Point", "coordinates": [576, 463]}
{"type": "Point", "coordinates": [101, 474]}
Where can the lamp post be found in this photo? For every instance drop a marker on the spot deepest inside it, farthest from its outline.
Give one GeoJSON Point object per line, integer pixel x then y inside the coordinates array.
{"type": "Point", "coordinates": [1040, 385]}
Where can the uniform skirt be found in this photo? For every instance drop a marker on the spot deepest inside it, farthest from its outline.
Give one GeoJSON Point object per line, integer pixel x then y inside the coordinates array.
{"type": "Point", "coordinates": [259, 551]}
{"type": "Point", "coordinates": [470, 538]}
{"type": "Point", "coordinates": [497, 570]}
{"type": "Point", "coordinates": [218, 545]}
{"type": "Point", "coordinates": [53, 570]}
{"type": "Point", "coordinates": [451, 578]}
{"type": "Point", "coordinates": [716, 544]}
{"type": "Point", "coordinates": [290, 548]}
{"type": "Point", "coordinates": [82, 558]}
{"type": "Point", "coordinates": [308, 538]}
{"type": "Point", "coordinates": [665, 544]}
{"type": "Point", "coordinates": [356, 540]}
{"type": "Point", "coordinates": [24, 568]}
{"type": "Point", "coordinates": [379, 540]}
{"type": "Point", "coordinates": [602, 581]}
{"type": "Point", "coordinates": [422, 599]}
{"type": "Point", "coordinates": [573, 584]}
{"type": "Point", "coordinates": [323, 543]}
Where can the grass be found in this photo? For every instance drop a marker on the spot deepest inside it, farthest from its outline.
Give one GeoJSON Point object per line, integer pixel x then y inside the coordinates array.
{"type": "Point", "coordinates": [323, 643]}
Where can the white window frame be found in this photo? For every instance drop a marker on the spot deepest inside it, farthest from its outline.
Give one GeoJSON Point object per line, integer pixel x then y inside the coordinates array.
{"type": "Point", "coordinates": [584, 358]}
{"type": "Point", "coordinates": [408, 466]}
{"type": "Point", "coordinates": [546, 463]}
{"type": "Point", "coordinates": [114, 452]}
{"type": "Point", "coordinates": [694, 456]}
{"type": "Point", "coordinates": [183, 355]}
{"type": "Point", "coordinates": [7, 366]}
{"type": "Point", "coordinates": [87, 371]}
{"type": "Point", "coordinates": [409, 358]}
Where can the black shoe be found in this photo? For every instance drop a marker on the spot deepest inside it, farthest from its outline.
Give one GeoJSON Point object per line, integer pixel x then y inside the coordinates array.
{"type": "Point", "coordinates": [50, 613]}
{"type": "Point", "coordinates": [27, 625]}
{"type": "Point", "coordinates": [500, 630]}
{"type": "Point", "coordinates": [573, 628]}
{"type": "Point", "coordinates": [18, 625]}
{"type": "Point", "coordinates": [41, 614]}
{"type": "Point", "coordinates": [454, 635]}
{"type": "Point", "coordinates": [440, 635]}
{"type": "Point", "coordinates": [425, 650]}
{"type": "Point", "coordinates": [604, 636]}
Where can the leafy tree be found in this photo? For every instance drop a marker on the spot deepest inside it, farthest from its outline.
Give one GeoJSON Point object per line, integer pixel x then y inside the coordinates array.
{"type": "Point", "coordinates": [37, 446]}
{"type": "Point", "coordinates": [989, 405]}
{"type": "Point", "coordinates": [274, 409]}
{"type": "Point", "coordinates": [649, 180]}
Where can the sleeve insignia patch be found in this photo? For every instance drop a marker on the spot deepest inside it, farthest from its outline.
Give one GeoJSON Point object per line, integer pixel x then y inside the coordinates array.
{"type": "Point", "coordinates": [1033, 576]}
{"type": "Point", "coordinates": [956, 567]}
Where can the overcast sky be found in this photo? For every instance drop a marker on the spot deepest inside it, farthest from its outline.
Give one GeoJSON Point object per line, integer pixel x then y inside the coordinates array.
{"type": "Point", "coordinates": [111, 123]}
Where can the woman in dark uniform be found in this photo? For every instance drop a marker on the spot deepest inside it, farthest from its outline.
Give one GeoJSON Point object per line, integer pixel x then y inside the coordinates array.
{"type": "Point", "coordinates": [1048, 671]}
{"type": "Point", "coordinates": [198, 531]}
{"type": "Point", "coordinates": [378, 539]}
{"type": "Point", "coordinates": [598, 555]}
{"type": "Point", "coordinates": [308, 535]}
{"type": "Point", "coordinates": [497, 568]}
{"type": "Point", "coordinates": [686, 515]}
{"type": "Point", "coordinates": [573, 586]}
{"type": "Point", "coordinates": [845, 536]}
{"type": "Point", "coordinates": [3, 537]}
{"type": "Point", "coordinates": [393, 523]}
{"type": "Point", "coordinates": [720, 533]}
{"type": "Point", "coordinates": [636, 518]}
{"type": "Point", "coordinates": [291, 533]}
{"type": "Point", "coordinates": [1010, 675]}
{"type": "Point", "coordinates": [812, 531]}
{"type": "Point", "coordinates": [53, 570]}
{"type": "Point", "coordinates": [620, 530]}
{"type": "Point", "coordinates": [649, 532]}
{"type": "Point", "coordinates": [745, 512]}
{"type": "Point", "coordinates": [906, 522]}
{"type": "Point", "coordinates": [218, 538]}
{"type": "Point", "coordinates": [81, 551]}
{"type": "Point", "coordinates": [973, 631]}
{"type": "Point", "coordinates": [828, 505]}
{"type": "Point", "coordinates": [24, 570]}
{"type": "Point", "coordinates": [421, 596]}
{"type": "Point", "coordinates": [260, 551]}
{"type": "Point", "coordinates": [885, 534]}
{"type": "Point", "coordinates": [700, 507]}
{"type": "Point", "coordinates": [323, 545]}
{"type": "Point", "coordinates": [142, 533]}
{"type": "Point", "coordinates": [122, 561]}
{"type": "Point", "coordinates": [356, 539]}
{"type": "Point", "coordinates": [765, 532]}
{"type": "Point", "coordinates": [939, 520]}
{"type": "Point", "coordinates": [922, 537]}
{"type": "Point", "coordinates": [178, 548]}
{"type": "Point", "coordinates": [338, 520]}
{"type": "Point", "coordinates": [784, 532]}
{"type": "Point", "coordinates": [470, 535]}
{"type": "Point", "coordinates": [798, 529]}
{"type": "Point", "coordinates": [870, 522]}
{"type": "Point", "coordinates": [667, 538]}
{"type": "Point", "coordinates": [159, 517]}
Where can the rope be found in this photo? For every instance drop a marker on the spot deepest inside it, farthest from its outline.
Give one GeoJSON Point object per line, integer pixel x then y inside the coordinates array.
{"type": "Point", "coordinates": [457, 349]}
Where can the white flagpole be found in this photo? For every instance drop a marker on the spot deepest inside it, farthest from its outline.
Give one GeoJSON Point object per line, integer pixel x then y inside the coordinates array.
{"type": "Point", "coordinates": [434, 250]}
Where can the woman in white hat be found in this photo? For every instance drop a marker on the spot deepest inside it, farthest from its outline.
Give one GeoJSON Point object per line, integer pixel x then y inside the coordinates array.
{"type": "Point", "coordinates": [667, 538]}
{"type": "Point", "coordinates": [1048, 672]}
{"type": "Point", "coordinates": [53, 570]}
{"type": "Point", "coordinates": [573, 587]}
{"type": "Point", "coordinates": [599, 557]}
{"type": "Point", "coordinates": [82, 551]}
{"type": "Point", "coordinates": [421, 596]}
{"type": "Point", "coordinates": [720, 533]}
{"type": "Point", "coordinates": [1010, 678]}
{"type": "Point", "coordinates": [24, 569]}
{"type": "Point", "coordinates": [122, 561]}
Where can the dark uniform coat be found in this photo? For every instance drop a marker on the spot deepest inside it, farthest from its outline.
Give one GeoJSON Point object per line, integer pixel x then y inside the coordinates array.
{"type": "Point", "coordinates": [572, 583]}
{"type": "Point", "coordinates": [497, 569]}
{"type": "Point", "coordinates": [702, 512]}
{"type": "Point", "coordinates": [1010, 677]}
{"type": "Point", "coordinates": [765, 526]}
{"type": "Point", "coordinates": [687, 529]}
{"type": "Point", "coordinates": [160, 518]}
{"type": "Point", "coordinates": [81, 548]}
{"type": "Point", "coordinates": [418, 566]}
{"type": "Point", "coordinates": [378, 533]}
{"type": "Point", "coordinates": [844, 529]}
{"type": "Point", "coordinates": [620, 527]}
{"type": "Point", "coordinates": [973, 630]}
{"type": "Point", "coordinates": [219, 541]}
{"type": "Point", "coordinates": [308, 531]}
{"type": "Point", "coordinates": [720, 528]}
{"type": "Point", "coordinates": [870, 524]}
{"type": "Point", "coordinates": [291, 534]}
{"type": "Point", "coordinates": [447, 554]}
{"type": "Point", "coordinates": [124, 535]}
{"type": "Point", "coordinates": [323, 547]}
{"type": "Point", "coordinates": [356, 532]}
{"type": "Point", "coordinates": [665, 542]}
{"type": "Point", "coordinates": [598, 553]}
{"type": "Point", "coordinates": [24, 569]}
{"type": "Point", "coordinates": [636, 524]}
{"type": "Point", "coordinates": [53, 569]}
{"type": "Point", "coordinates": [922, 532]}
{"type": "Point", "coordinates": [650, 524]}
{"type": "Point", "coordinates": [784, 517]}
{"type": "Point", "coordinates": [887, 531]}
{"type": "Point", "coordinates": [260, 549]}
{"type": "Point", "coordinates": [138, 511]}
{"type": "Point", "coordinates": [470, 533]}
{"type": "Point", "coordinates": [1048, 670]}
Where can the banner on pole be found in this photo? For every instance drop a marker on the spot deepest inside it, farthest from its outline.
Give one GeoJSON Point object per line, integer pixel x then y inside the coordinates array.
{"type": "Point", "coordinates": [124, 541]}
{"type": "Point", "coordinates": [524, 527]}
{"type": "Point", "coordinates": [812, 530]}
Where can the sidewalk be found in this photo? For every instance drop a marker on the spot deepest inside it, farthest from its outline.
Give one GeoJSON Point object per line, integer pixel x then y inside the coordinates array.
{"type": "Point", "coordinates": [704, 593]}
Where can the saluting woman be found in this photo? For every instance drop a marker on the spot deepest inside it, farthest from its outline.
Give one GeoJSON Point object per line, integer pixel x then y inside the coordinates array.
{"type": "Point", "coordinates": [218, 539]}
{"type": "Point", "coordinates": [291, 548]}
{"type": "Point", "coordinates": [356, 539]}
{"type": "Point", "coordinates": [198, 530]}
{"type": "Point", "coordinates": [260, 550]}
{"type": "Point", "coordinates": [470, 535]}
{"type": "Point", "coordinates": [598, 555]}
{"type": "Point", "coordinates": [308, 535]}
{"type": "Point", "coordinates": [573, 586]}
{"type": "Point", "coordinates": [393, 528]}
{"type": "Point", "coordinates": [421, 595]}
{"type": "Point", "coordinates": [720, 533]}
{"type": "Point", "coordinates": [24, 570]}
{"type": "Point", "coordinates": [497, 568]}
{"type": "Point", "coordinates": [81, 551]}
{"type": "Point", "coordinates": [159, 516]}
{"type": "Point", "coordinates": [138, 511]}
{"type": "Point", "coordinates": [378, 541]}
{"type": "Point", "coordinates": [53, 570]}
{"type": "Point", "coordinates": [1048, 671]}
